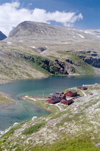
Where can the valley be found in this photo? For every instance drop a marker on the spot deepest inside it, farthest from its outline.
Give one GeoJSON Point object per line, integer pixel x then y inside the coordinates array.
{"type": "Point", "coordinates": [37, 59]}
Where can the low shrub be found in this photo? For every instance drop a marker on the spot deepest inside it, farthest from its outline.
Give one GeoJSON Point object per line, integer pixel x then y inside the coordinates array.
{"type": "Point", "coordinates": [33, 128]}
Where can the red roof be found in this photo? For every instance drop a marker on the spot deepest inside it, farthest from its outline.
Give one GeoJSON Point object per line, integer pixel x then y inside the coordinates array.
{"type": "Point", "coordinates": [71, 93]}
{"type": "Point", "coordinates": [67, 102]}
{"type": "Point", "coordinates": [53, 100]}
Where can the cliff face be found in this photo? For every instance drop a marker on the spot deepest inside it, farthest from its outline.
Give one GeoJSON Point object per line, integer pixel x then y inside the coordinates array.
{"type": "Point", "coordinates": [91, 58]}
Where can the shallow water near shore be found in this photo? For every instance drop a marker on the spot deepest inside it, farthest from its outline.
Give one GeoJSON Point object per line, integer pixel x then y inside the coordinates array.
{"type": "Point", "coordinates": [22, 110]}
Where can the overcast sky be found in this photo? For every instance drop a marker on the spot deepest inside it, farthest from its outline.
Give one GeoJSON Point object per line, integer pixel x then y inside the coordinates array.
{"type": "Point", "coordinates": [81, 14]}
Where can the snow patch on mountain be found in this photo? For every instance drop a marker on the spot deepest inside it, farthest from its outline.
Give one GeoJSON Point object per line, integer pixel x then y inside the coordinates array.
{"type": "Point", "coordinates": [81, 36]}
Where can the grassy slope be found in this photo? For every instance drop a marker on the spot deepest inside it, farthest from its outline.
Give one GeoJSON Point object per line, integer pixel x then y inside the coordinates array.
{"type": "Point", "coordinates": [13, 67]}
{"type": "Point", "coordinates": [4, 99]}
{"type": "Point", "coordinates": [75, 128]}
{"type": "Point", "coordinates": [79, 65]}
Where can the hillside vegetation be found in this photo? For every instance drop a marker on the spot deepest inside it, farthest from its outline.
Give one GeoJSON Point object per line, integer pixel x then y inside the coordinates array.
{"type": "Point", "coordinates": [38, 50]}
{"type": "Point", "coordinates": [75, 127]}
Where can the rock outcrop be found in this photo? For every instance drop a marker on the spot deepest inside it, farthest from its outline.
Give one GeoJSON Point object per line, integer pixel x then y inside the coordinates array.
{"type": "Point", "coordinates": [93, 61]}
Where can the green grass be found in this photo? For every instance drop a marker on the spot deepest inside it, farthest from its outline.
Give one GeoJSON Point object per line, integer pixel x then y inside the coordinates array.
{"type": "Point", "coordinates": [43, 104]}
{"type": "Point", "coordinates": [57, 115]}
{"type": "Point", "coordinates": [75, 117]}
{"type": "Point", "coordinates": [83, 68]}
{"type": "Point", "coordinates": [63, 52]}
{"type": "Point", "coordinates": [4, 99]}
{"type": "Point", "coordinates": [79, 67]}
{"type": "Point", "coordinates": [82, 143]}
{"type": "Point", "coordinates": [37, 67]}
{"type": "Point", "coordinates": [11, 131]}
{"type": "Point", "coordinates": [79, 92]}
{"type": "Point", "coordinates": [33, 128]}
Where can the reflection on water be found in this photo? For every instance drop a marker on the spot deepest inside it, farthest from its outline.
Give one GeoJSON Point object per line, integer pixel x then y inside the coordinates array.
{"type": "Point", "coordinates": [21, 110]}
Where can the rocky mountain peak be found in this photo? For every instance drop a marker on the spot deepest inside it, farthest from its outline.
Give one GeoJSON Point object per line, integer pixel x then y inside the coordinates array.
{"type": "Point", "coordinates": [2, 36]}
{"type": "Point", "coordinates": [28, 28]}
{"type": "Point", "coordinates": [35, 30]}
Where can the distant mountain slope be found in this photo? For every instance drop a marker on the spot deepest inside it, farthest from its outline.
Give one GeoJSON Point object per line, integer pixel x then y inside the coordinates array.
{"type": "Point", "coordinates": [46, 31]}
{"type": "Point", "coordinates": [2, 36]}
{"type": "Point", "coordinates": [37, 50]}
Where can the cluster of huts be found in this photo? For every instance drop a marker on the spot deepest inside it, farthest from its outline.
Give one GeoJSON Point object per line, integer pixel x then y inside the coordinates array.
{"type": "Point", "coordinates": [61, 97]}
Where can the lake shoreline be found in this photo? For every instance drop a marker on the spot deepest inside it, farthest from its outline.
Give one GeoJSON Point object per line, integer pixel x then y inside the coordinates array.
{"type": "Point", "coordinates": [2, 82]}
{"type": "Point", "coordinates": [21, 109]}
{"type": "Point", "coordinates": [33, 102]}
{"type": "Point", "coordinates": [8, 99]}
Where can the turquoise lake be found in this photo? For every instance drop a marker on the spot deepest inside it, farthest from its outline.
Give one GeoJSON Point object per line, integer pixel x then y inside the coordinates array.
{"type": "Point", "coordinates": [21, 110]}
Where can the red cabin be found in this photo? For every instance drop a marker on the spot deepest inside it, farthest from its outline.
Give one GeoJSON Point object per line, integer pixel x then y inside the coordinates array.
{"type": "Point", "coordinates": [71, 93]}
{"type": "Point", "coordinates": [54, 100]}
{"type": "Point", "coordinates": [67, 102]}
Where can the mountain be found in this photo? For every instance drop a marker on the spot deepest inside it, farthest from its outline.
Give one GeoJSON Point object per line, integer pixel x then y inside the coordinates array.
{"type": "Point", "coordinates": [38, 50]}
{"type": "Point", "coordinates": [36, 30]}
{"type": "Point", "coordinates": [2, 36]}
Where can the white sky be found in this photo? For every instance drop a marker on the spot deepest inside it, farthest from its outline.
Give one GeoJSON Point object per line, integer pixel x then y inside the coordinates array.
{"type": "Point", "coordinates": [11, 15]}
